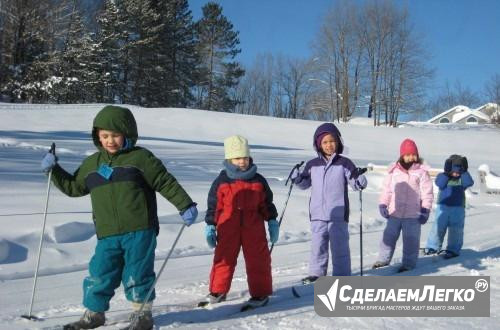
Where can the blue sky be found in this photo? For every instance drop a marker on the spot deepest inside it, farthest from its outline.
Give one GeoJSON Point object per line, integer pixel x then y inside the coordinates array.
{"type": "Point", "coordinates": [463, 36]}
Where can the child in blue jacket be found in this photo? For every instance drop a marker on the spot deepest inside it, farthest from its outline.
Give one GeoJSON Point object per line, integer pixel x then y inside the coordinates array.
{"type": "Point", "coordinates": [450, 210]}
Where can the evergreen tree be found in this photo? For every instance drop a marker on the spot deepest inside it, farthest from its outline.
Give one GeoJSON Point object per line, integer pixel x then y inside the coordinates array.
{"type": "Point", "coordinates": [143, 28]}
{"type": "Point", "coordinates": [218, 74]}
{"type": "Point", "coordinates": [25, 48]}
{"type": "Point", "coordinates": [107, 55]}
{"type": "Point", "coordinates": [176, 54]}
{"type": "Point", "coordinates": [129, 32]}
{"type": "Point", "coordinates": [74, 76]}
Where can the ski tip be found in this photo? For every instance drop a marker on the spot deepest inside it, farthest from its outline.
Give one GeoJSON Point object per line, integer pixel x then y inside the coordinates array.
{"type": "Point", "coordinates": [295, 293]}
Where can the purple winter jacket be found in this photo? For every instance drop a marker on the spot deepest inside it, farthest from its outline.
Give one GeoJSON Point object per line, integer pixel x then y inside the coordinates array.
{"type": "Point", "coordinates": [328, 181]}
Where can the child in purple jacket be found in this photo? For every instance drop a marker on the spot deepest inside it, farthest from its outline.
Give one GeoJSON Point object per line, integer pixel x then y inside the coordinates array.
{"type": "Point", "coordinates": [328, 176]}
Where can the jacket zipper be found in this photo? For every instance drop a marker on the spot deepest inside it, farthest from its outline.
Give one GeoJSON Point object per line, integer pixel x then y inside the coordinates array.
{"type": "Point", "coordinates": [323, 191]}
{"type": "Point", "coordinates": [113, 205]}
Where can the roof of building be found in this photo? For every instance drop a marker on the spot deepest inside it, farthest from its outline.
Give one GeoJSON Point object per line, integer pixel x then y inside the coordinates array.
{"type": "Point", "coordinates": [463, 111]}
{"type": "Point", "coordinates": [464, 114]}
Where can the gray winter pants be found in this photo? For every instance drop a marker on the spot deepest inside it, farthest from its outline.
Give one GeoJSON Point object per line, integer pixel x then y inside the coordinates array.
{"type": "Point", "coordinates": [411, 241]}
{"type": "Point", "coordinates": [336, 233]}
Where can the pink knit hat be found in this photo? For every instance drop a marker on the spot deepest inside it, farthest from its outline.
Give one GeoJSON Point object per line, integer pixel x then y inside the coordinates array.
{"type": "Point", "coordinates": [408, 147]}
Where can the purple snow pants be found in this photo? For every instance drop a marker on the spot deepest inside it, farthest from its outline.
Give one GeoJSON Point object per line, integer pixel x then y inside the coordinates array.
{"type": "Point", "coordinates": [411, 241]}
{"type": "Point", "coordinates": [334, 232]}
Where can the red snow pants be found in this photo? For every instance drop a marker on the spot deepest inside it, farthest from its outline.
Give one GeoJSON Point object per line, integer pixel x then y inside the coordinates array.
{"type": "Point", "coordinates": [231, 236]}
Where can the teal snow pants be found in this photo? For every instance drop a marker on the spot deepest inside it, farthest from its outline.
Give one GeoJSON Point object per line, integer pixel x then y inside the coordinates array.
{"type": "Point", "coordinates": [127, 258]}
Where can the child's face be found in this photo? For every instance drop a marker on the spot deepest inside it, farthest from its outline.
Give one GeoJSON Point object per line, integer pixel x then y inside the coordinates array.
{"type": "Point", "coordinates": [410, 158]}
{"type": "Point", "coordinates": [111, 141]}
{"type": "Point", "coordinates": [243, 163]}
{"type": "Point", "coordinates": [328, 145]}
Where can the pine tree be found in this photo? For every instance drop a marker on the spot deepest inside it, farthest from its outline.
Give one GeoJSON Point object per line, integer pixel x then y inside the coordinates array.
{"type": "Point", "coordinates": [217, 47]}
{"type": "Point", "coordinates": [73, 75]}
{"type": "Point", "coordinates": [107, 67]}
{"type": "Point", "coordinates": [25, 49]}
{"type": "Point", "coordinates": [129, 33]}
{"type": "Point", "coordinates": [176, 54]}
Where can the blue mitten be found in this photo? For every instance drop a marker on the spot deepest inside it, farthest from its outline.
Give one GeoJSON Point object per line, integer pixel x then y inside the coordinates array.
{"type": "Point", "coordinates": [189, 215]}
{"type": "Point", "coordinates": [48, 162]}
{"type": "Point", "coordinates": [211, 236]}
{"type": "Point", "coordinates": [274, 230]}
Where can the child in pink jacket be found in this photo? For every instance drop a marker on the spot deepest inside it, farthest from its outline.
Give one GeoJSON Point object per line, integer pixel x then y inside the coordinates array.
{"type": "Point", "coordinates": [405, 202]}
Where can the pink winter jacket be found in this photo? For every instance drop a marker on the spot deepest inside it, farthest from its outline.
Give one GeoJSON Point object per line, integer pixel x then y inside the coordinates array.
{"type": "Point", "coordinates": [405, 192]}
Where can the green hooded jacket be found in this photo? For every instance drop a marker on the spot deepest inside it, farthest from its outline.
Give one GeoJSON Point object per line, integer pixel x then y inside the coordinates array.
{"type": "Point", "coordinates": [126, 201]}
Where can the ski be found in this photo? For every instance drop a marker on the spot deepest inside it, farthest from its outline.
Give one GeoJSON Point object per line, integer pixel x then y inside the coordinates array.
{"type": "Point", "coordinates": [128, 327]}
{"type": "Point", "coordinates": [69, 326]}
{"type": "Point", "coordinates": [302, 289]}
{"type": "Point", "coordinates": [208, 305]}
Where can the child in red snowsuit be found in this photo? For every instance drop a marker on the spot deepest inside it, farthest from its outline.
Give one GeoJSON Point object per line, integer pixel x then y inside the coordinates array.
{"type": "Point", "coordinates": [239, 203]}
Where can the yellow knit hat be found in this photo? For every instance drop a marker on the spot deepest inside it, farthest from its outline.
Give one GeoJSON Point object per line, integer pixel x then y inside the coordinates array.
{"type": "Point", "coordinates": [236, 147]}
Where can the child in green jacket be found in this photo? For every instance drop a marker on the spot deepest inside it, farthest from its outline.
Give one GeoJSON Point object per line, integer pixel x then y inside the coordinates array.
{"type": "Point", "coordinates": [121, 179]}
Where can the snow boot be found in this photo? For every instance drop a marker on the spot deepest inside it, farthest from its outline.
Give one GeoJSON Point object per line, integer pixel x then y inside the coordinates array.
{"type": "Point", "coordinates": [449, 255]}
{"type": "Point", "coordinates": [403, 269]}
{"type": "Point", "coordinates": [379, 264]}
{"type": "Point", "coordinates": [212, 298]}
{"type": "Point", "coordinates": [430, 251]}
{"type": "Point", "coordinates": [89, 320]}
{"type": "Point", "coordinates": [255, 302]}
{"type": "Point", "coordinates": [141, 321]}
{"type": "Point", "coordinates": [309, 279]}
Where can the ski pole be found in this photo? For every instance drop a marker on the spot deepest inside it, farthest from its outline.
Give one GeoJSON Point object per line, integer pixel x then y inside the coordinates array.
{"type": "Point", "coordinates": [29, 316]}
{"type": "Point", "coordinates": [360, 171]}
{"type": "Point", "coordinates": [297, 166]}
{"type": "Point", "coordinates": [361, 231]}
{"type": "Point", "coordinates": [159, 273]}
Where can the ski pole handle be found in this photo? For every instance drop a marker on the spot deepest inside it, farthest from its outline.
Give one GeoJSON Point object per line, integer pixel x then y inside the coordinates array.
{"type": "Point", "coordinates": [53, 149]}
{"type": "Point", "coordinates": [359, 171]}
{"type": "Point", "coordinates": [297, 166]}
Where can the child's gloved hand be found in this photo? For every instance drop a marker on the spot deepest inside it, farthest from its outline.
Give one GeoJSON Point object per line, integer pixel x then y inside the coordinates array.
{"type": "Point", "coordinates": [424, 215]}
{"type": "Point", "coordinates": [211, 236]}
{"type": "Point", "coordinates": [361, 182]}
{"type": "Point", "coordinates": [189, 215]}
{"type": "Point", "coordinates": [48, 162]}
{"type": "Point", "coordinates": [295, 176]}
{"type": "Point", "coordinates": [465, 164]}
{"type": "Point", "coordinates": [274, 230]}
{"type": "Point", "coordinates": [383, 211]}
{"type": "Point", "coordinates": [447, 166]}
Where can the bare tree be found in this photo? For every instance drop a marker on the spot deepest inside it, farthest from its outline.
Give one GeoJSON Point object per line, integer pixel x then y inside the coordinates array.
{"type": "Point", "coordinates": [294, 75]}
{"type": "Point", "coordinates": [379, 21]}
{"type": "Point", "coordinates": [492, 89]}
{"type": "Point", "coordinates": [255, 91]}
{"type": "Point", "coordinates": [406, 72]}
{"type": "Point", "coordinates": [450, 96]}
{"type": "Point", "coordinates": [338, 48]}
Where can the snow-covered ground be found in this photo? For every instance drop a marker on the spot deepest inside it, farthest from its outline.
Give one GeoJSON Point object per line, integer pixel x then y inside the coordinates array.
{"type": "Point", "coordinates": [190, 144]}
